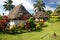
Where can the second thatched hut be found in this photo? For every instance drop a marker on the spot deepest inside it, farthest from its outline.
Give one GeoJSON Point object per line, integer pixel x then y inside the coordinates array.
{"type": "Point", "coordinates": [41, 15]}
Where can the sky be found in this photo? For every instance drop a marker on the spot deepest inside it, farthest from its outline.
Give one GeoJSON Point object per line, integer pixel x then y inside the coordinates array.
{"type": "Point", "coordinates": [28, 4]}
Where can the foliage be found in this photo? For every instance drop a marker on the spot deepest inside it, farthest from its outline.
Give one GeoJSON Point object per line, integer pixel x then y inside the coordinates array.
{"type": "Point", "coordinates": [54, 17]}
{"type": "Point", "coordinates": [45, 34]}
{"type": "Point", "coordinates": [57, 10]}
{"type": "Point", "coordinates": [49, 12]}
{"type": "Point", "coordinates": [39, 5]}
{"type": "Point", "coordinates": [42, 22]}
{"type": "Point", "coordinates": [3, 23]}
{"type": "Point", "coordinates": [14, 29]}
{"type": "Point", "coordinates": [38, 25]}
{"type": "Point", "coordinates": [21, 26]}
{"type": "Point", "coordinates": [31, 22]}
{"type": "Point", "coordinates": [27, 25]}
{"type": "Point", "coordinates": [1, 17]}
{"type": "Point", "coordinates": [8, 5]}
{"type": "Point", "coordinates": [58, 6]}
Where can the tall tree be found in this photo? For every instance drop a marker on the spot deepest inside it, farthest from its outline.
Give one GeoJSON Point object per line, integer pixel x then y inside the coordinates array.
{"type": "Point", "coordinates": [40, 5]}
{"type": "Point", "coordinates": [8, 5]}
{"type": "Point", "coordinates": [57, 10]}
{"type": "Point", "coordinates": [49, 12]}
{"type": "Point", "coordinates": [58, 6]}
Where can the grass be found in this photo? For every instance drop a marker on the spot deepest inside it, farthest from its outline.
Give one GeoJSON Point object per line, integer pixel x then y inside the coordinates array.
{"type": "Point", "coordinates": [44, 34]}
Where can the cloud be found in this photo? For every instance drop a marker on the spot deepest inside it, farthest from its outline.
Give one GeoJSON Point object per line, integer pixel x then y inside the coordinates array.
{"type": "Point", "coordinates": [28, 4]}
{"type": "Point", "coordinates": [58, 2]}
{"type": "Point", "coordinates": [53, 1]}
{"type": "Point", "coordinates": [49, 8]}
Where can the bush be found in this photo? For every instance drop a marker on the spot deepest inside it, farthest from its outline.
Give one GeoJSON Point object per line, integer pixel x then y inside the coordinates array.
{"type": "Point", "coordinates": [21, 26]}
{"type": "Point", "coordinates": [38, 26]}
{"type": "Point", "coordinates": [1, 17]}
{"type": "Point", "coordinates": [13, 30]}
{"type": "Point", "coordinates": [55, 18]}
{"type": "Point", "coordinates": [32, 24]}
{"type": "Point", "coordinates": [3, 22]}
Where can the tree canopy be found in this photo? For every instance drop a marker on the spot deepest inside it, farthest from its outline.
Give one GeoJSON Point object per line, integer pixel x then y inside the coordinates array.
{"type": "Point", "coordinates": [40, 5]}
{"type": "Point", "coordinates": [8, 5]}
{"type": "Point", "coordinates": [57, 10]}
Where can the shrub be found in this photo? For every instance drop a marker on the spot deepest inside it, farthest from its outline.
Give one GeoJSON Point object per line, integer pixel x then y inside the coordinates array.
{"type": "Point", "coordinates": [38, 25]}
{"type": "Point", "coordinates": [3, 23]}
{"type": "Point", "coordinates": [42, 22]}
{"type": "Point", "coordinates": [27, 25]}
{"type": "Point", "coordinates": [1, 17]}
{"type": "Point", "coordinates": [13, 30]}
{"type": "Point", "coordinates": [31, 22]}
{"type": "Point", "coordinates": [21, 26]}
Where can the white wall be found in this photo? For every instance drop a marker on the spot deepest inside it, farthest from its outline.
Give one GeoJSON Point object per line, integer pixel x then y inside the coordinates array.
{"type": "Point", "coordinates": [15, 22]}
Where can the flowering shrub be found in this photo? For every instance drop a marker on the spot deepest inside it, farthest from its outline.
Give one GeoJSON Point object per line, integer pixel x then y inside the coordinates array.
{"type": "Point", "coordinates": [25, 17]}
{"type": "Point", "coordinates": [42, 22]}
{"type": "Point", "coordinates": [27, 26]}
{"type": "Point", "coordinates": [3, 23]}
{"type": "Point", "coordinates": [13, 30]}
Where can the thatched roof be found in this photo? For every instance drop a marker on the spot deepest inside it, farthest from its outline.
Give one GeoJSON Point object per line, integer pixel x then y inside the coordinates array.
{"type": "Point", "coordinates": [18, 12]}
{"type": "Point", "coordinates": [55, 14]}
{"type": "Point", "coordinates": [40, 14]}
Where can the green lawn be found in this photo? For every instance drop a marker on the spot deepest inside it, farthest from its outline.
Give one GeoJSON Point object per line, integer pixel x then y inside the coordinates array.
{"type": "Point", "coordinates": [44, 34]}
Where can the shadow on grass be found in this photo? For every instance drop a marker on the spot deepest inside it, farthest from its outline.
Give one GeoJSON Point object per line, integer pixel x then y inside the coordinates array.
{"type": "Point", "coordinates": [38, 30]}
{"type": "Point", "coordinates": [0, 39]}
{"type": "Point", "coordinates": [57, 20]}
{"type": "Point", "coordinates": [45, 26]}
{"type": "Point", "coordinates": [24, 31]}
{"type": "Point", "coordinates": [15, 33]}
{"type": "Point", "coordinates": [51, 21]}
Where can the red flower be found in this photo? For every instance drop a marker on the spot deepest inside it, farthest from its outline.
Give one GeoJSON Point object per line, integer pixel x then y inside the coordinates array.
{"type": "Point", "coordinates": [25, 17]}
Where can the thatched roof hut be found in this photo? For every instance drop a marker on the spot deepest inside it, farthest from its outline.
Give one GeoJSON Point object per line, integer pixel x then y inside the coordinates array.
{"type": "Point", "coordinates": [41, 14]}
{"type": "Point", "coordinates": [18, 12]}
{"type": "Point", "coordinates": [55, 14]}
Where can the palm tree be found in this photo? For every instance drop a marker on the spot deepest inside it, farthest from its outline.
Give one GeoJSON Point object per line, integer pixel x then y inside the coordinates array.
{"type": "Point", "coordinates": [58, 6]}
{"type": "Point", "coordinates": [40, 5]}
{"type": "Point", "coordinates": [57, 10]}
{"type": "Point", "coordinates": [8, 5]}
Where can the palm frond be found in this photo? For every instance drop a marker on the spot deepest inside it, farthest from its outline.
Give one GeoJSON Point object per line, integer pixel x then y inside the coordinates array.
{"type": "Point", "coordinates": [5, 2]}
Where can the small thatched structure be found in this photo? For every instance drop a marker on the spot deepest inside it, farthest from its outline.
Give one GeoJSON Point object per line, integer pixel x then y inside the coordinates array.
{"type": "Point", "coordinates": [55, 14]}
{"type": "Point", "coordinates": [18, 12]}
{"type": "Point", "coordinates": [41, 15]}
